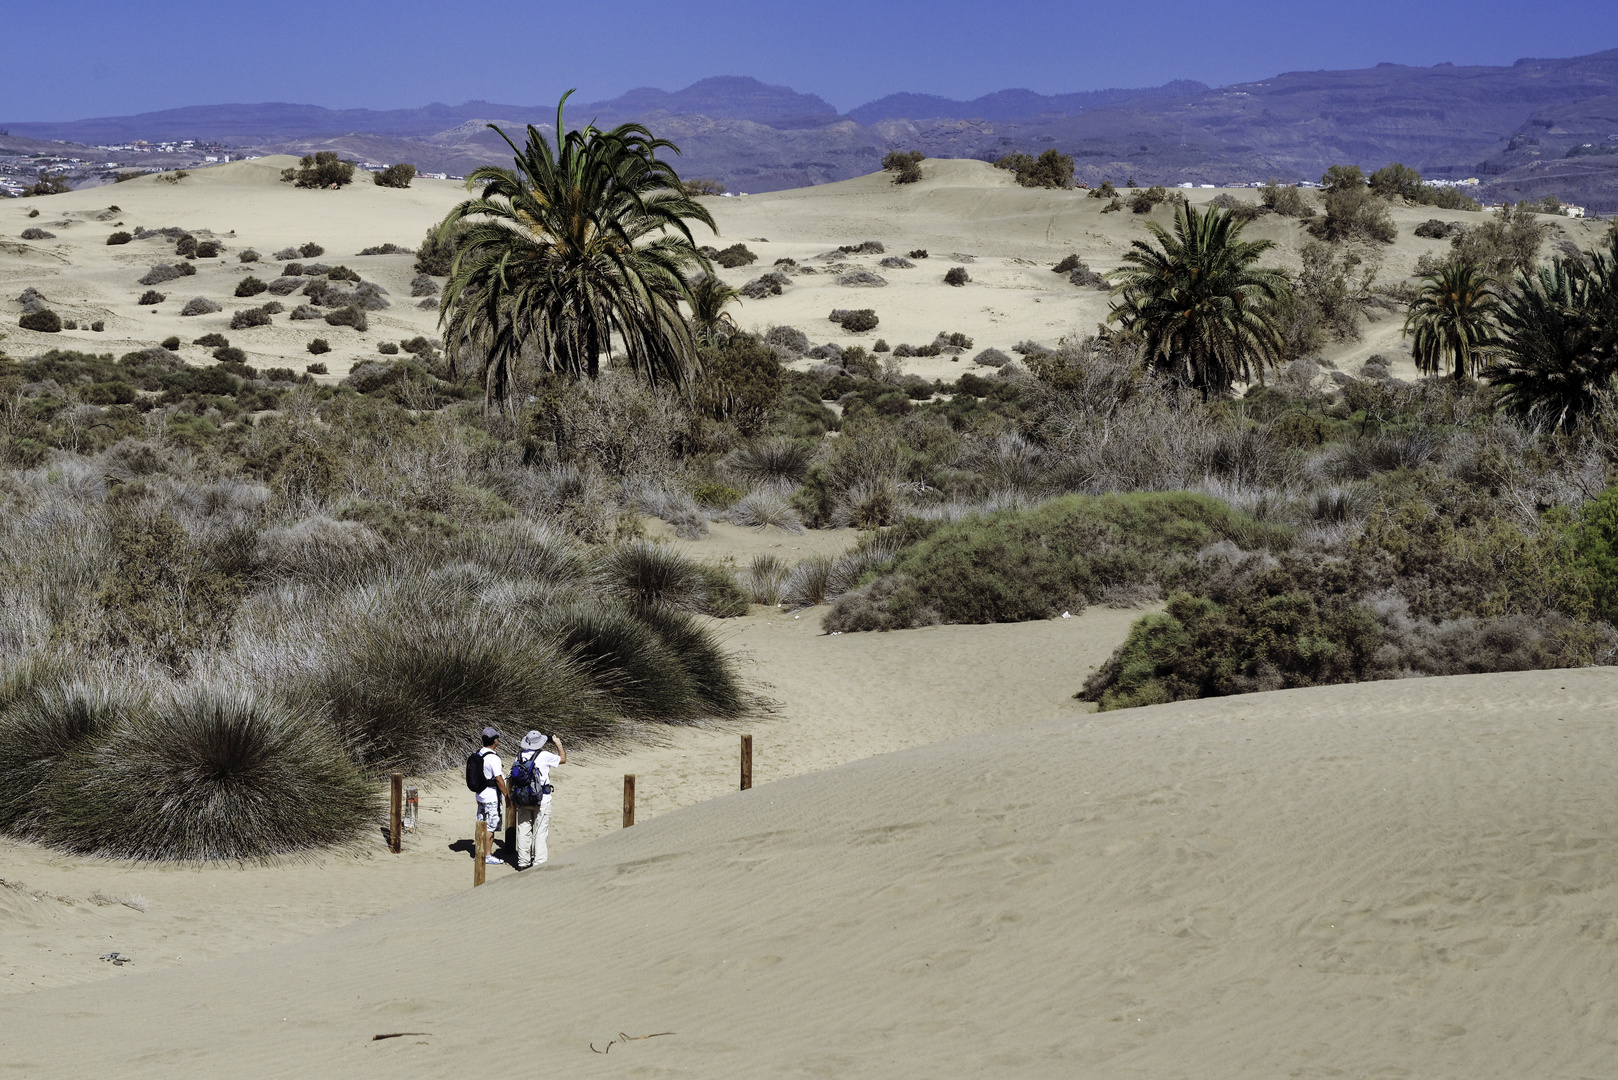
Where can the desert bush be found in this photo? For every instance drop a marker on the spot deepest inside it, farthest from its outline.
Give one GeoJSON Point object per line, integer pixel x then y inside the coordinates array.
{"type": "Point", "coordinates": [250, 286]}
{"type": "Point", "coordinates": [957, 276]}
{"type": "Point", "coordinates": [317, 368]}
{"type": "Point", "coordinates": [321, 169]}
{"type": "Point", "coordinates": [422, 285]}
{"type": "Point", "coordinates": [150, 297]}
{"type": "Point", "coordinates": [286, 253]}
{"type": "Point", "coordinates": [1014, 565]}
{"type": "Point", "coordinates": [118, 238]}
{"type": "Point", "coordinates": [292, 270]}
{"type": "Point", "coordinates": [702, 185]}
{"type": "Point", "coordinates": [387, 348]}
{"type": "Point", "coordinates": [387, 249]}
{"type": "Point", "coordinates": [348, 316]}
{"type": "Point", "coordinates": [1285, 199]}
{"type": "Point", "coordinates": [760, 287]}
{"type": "Point", "coordinates": [199, 305]}
{"type": "Point", "coordinates": [1052, 169]}
{"type": "Point", "coordinates": [311, 250]}
{"type": "Point", "coordinates": [342, 273]}
{"type": "Point", "coordinates": [171, 343]}
{"type": "Point", "coordinates": [787, 339]}
{"type": "Point", "coordinates": [160, 273]}
{"type": "Point", "coordinates": [1143, 200]}
{"type": "Point", "coordinates": [47, 184]}
{"type": "Point", "coordinates": [319, 346]}
{"type": "Point", "coordinates": [98, 326]}
{"type": "Point", "coordinates": [37, 234]}
{"type": "Point", "coordinates": [881, 346]}
{"type": "Point", "coordinates": [212, 341]}
{"type": "Point", "coordinates": [735, 255]}
{"type": "Point", "coordinates": [208, 249]}
{"type": "Point", "coordinates": [249, 317]}
{"type": "Point", "coordinates": [992, 358]}
{"type": "Point", "coordinates": [855, 321]}
{"type": "Point", "coordinates": [436, 255]}
{"type": "Point", "coordinates": [905, 165]}
{"type": "Point", "coordinates": [44, 321]}
{"type": "Point", "coordinates": [231, 355]}
{"type": "Point", "coordinates": [394, 176]}
{"type": "Point", "coordinates": [185, 246]}
{"type": "Point", "coordinates": [283, 286]}
{"type": "Point", "coordinates": [247, 255]}
{"type": "Point", "coordinates": [1433, 229]}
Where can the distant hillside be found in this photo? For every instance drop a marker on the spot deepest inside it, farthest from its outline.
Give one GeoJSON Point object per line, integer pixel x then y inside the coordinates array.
{"type": "Point", "coordinates": [1522, 128]}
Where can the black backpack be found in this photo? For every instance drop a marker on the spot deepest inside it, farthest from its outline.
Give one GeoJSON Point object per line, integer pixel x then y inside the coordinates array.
{"type": "Point", "coordinates": [475, 780]}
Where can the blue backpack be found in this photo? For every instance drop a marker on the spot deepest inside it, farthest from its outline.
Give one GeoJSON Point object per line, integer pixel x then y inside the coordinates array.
{"type": "Point", "coordinates": [526, 789]}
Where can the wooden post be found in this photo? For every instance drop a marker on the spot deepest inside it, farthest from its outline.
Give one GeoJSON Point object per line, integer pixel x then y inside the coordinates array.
{"type": "Point", "coordinates": [511, 826]}
{"type": "Point", "coordinates": [480, 852]}
{"type": "Point", "coordinates": [747, 762]}
{"type": "Point", "coordinates": [629, 799]}
{"type": "Point", "coordinates": [396, 813]}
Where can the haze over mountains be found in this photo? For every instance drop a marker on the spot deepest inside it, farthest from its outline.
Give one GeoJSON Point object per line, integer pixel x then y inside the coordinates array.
{"type": "Point", "coordinates": [1536, 127]}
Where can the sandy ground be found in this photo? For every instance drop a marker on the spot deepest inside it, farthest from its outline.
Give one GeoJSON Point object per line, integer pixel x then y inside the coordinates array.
{"type": "Point", "coordinates": [1387, 880]}
{"type": "Point", "coordinates": [962, 212]}
{"type": "Point", "coordinates": [833, 699]}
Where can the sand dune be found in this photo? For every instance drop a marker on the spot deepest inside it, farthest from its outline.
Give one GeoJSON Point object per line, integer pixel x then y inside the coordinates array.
{"type": "Point", "coordinates": [1012, 236]}
{"type": "Point", "coordinates": [1386, 880]}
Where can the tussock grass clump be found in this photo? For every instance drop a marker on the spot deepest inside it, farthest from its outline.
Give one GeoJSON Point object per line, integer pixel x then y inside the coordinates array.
{"type": "Point", "coordinates": [763, 508]}
{"type": "Point", "coordinates": [411, 688]}
{"type": "Point", "coordinates": [625, 659]}
{"type": "Point", "coordinates": [644, 574]}
{"type": "Point", "coordinates": [765, 579]}
{"type": "Point", "coordinates": [46, 715]}
{"type": "Point", "coordinates": [777, 461]}
{"type": "Point", "coordinates": [210, 772]}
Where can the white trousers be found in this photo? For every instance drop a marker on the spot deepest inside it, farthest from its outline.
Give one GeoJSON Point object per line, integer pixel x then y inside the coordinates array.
{"type": "Point", "coordinates": [533, 823]}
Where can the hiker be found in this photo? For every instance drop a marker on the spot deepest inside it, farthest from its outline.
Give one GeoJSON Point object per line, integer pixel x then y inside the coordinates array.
{"type": "Point", "coordinates": [485, 776]}
{"type": "Point", "coordinates": [531, 791]}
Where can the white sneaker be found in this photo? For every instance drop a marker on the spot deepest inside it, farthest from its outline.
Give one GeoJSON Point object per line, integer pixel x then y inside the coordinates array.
{"type": "Point", "coordinates": [494, 860]}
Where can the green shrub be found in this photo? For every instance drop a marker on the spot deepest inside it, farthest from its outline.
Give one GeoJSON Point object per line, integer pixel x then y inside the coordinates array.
{"type": "Point", "coordinates": [1052, 169]}
{"type": "Point", "coordinates": [394, 176]}
{"type": "Point", "coordinates": [322, 169]}
{"type": "Point", "coordinates": [171, 343]}
{"type": "Point", "coordinates": [905, 165]}
{"type": "Point", "coordinates": [311, 250]}
{"type": "Point", "coordinates": [1015, 565]}
{"type": "Point", "coordinates": [250, 286]}
{"type": "Point", "coordinates": [118, 238]}
{"type": "Point", "coordinates": [230, 354]}
{"type": "Point", "coordinates": [342, 273]}
{"type": "Point", "coordinates": [715, 496]}
{"type": "Point", "coordinates": [1284, 199]}
{"type": "Point", "coordinates": [856, 321]}
{"type": "Point", "coordinates": [350, 315]}
{"type": "Point", "coordinates": [436, 255]}
{"type": "Point", "coordinates": [47, 717]}
{"type": "Point", "coordinates": [318, 346]}
{"type": "Point", "coordinates": [387, 348]}
{"type": "Point", "coordinates": [44, 321]}
{"type": "Point", "coordinates": [315, 369]}
{"type": "Point", "coordinates": [208, 249]}
{"type": "Point", "coordinates": [212, 341]}
{"type": "Point", "coordinates": [735, 255]}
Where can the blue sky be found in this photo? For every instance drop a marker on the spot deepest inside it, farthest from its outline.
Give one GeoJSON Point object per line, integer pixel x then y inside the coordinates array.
{"type": "Point", "coordinates": [68, 60]}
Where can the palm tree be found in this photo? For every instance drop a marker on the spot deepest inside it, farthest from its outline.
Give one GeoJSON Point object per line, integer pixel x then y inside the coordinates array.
{"type": "Point", "coordinates": [1205, 313]}
{"type": "Point", "coordinates": [709, 319]}
{"type": "Point", "coordinates": [573, 254]}
{"type": "Point", "coordinates": [1558, 353]}
{"type": "Point", "coordinates": [1451, 320]}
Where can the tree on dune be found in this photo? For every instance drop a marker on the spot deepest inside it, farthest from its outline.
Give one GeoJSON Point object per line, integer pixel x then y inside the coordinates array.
{"type": "Point", "coordinates": [710, 296]}
{"type": "Point", "coordinates": [1451, 320]}
{"type": "Point", "coordinates": [1204, 311]}
{"type": "Point", "coordinates": [574, 252]}
{"type": "Point", "coordinates": [1558, 342]}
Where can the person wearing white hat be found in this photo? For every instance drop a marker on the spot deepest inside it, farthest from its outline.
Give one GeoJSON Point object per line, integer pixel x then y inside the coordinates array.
{"type": "Point", "coordinates": [531, 791]}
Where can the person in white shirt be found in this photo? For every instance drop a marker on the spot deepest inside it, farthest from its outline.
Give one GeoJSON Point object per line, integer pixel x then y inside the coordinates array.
{"type": "Point", "coordinates": [494, 792]}
{"type": "Point", "coordinates": [531, 791]}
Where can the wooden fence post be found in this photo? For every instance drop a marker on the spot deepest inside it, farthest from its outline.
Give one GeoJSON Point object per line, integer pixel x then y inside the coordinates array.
{"type": "Point", "coordinates": [629, 799]}
{"type": "Point", "coordinates": [480, 852]}
{"type": "Point", "coordinates": [511, 826]}
{"type": "Point", "coordinates": [396, 812]}
{"type": "Point", "coordinates": [747, 762]}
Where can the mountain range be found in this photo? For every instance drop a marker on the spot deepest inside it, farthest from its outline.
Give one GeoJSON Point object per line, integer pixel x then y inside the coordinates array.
{"type": "Point", "coordinates": [1535, 127]}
